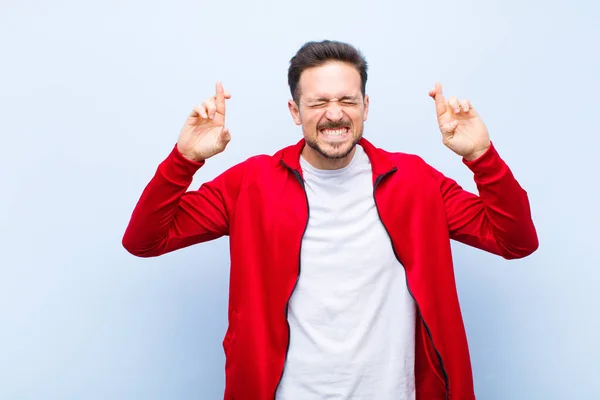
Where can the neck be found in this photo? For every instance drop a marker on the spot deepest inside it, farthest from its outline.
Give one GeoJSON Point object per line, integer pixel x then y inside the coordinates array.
{"type": "Point", "coordinates": [319, 161]}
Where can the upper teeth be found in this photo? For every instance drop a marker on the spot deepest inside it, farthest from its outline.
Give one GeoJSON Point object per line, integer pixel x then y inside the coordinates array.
{"type": "Point", "coordinates": [336, 132]}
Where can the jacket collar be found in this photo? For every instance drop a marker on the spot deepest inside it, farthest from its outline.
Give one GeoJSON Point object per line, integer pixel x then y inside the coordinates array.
{"type": "Point", "coordinates": [381, 162]}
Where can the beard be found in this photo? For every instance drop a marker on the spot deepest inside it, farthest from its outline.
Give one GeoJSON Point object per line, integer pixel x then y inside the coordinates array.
{"type": "Point", "coordinates": [340, 150]}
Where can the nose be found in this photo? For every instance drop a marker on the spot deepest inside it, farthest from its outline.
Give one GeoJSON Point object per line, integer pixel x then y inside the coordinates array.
{"type": "Point", "coordinates": [334, 112]}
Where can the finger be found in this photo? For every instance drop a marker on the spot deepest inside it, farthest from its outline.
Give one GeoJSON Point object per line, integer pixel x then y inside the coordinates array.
{"type": "Point", "coordinates": [454, 105]}
{"type": "Point", "coordinates": [220, 99]}
{"type": "Point", "coordinates": [210, 107]}
{"type": "Point", "coordinates": [227, 95]}
{"type": "Point", "coordinates": [449, 127]}
{"type": "Point", "coordinates": [440, 102]}
{"type": "Point", "coordinates": [465, 105]}
{"type": "Point", "coordinates": [199, 110]}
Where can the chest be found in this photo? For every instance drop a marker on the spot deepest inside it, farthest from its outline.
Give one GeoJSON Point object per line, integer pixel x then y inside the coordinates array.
{"type": "Point", "coordinates": [344, 231]}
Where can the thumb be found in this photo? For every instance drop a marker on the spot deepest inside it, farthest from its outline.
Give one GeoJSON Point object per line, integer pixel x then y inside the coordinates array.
{"type": "Point", "coordinates": [449, 127]}
{"type": "Point", "coordinates": [224, 137]}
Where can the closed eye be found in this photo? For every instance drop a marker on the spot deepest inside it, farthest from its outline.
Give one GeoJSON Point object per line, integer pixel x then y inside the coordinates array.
{"type": "Point", "coordinates": [344, 102]}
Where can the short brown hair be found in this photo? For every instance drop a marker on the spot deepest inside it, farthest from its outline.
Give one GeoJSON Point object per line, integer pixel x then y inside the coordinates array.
{"type": "Point", "coordinates": [314, 54]}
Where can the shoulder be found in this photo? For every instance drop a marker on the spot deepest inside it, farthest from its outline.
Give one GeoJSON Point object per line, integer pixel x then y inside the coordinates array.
{"type": "Point", "coordinates": [409, 164]}
{"type": "Point", "coordinates": [257, 167]}
{"type": "Point", "coordinates": [395, 158]}
{"type": "Point", "coordinates": [398, 157]}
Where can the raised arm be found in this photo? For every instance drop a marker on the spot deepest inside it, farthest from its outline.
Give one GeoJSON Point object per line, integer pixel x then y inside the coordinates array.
{"type": "Point", "coordinates": [498, 220]}
{"type": "Point", "coordinates": [168, 217]}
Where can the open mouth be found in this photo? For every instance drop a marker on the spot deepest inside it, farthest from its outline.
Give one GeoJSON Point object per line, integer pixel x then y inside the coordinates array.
{"type": "Point", "coordinates": [335, 134]}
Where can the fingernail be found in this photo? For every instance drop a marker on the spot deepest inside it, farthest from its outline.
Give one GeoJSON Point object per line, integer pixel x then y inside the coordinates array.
{"type": "Point", "coordinates": [456, 110]}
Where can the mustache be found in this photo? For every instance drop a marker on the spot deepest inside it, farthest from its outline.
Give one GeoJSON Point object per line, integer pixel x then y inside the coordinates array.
{"type": "Point", "coordinates": [334, 125]}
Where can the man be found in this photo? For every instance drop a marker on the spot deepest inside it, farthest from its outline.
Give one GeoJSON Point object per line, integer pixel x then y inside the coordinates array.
{"type": "Point", "coordinates": [342, 283]}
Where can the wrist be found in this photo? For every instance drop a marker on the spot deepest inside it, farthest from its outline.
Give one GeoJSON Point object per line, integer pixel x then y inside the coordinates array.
{"type": "Point", "coordinates": [476, 154]}
{"type": "Point", "coordinates": [188, 157]}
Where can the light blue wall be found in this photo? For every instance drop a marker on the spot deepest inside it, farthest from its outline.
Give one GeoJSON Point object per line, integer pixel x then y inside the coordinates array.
{"type": "Point", "coordinates": [92, 97]}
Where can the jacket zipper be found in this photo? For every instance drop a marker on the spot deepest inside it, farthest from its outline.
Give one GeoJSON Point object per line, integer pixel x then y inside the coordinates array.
{"type": "Point", "coordinates": [439, 356]}
{"type": "Point", "coordinates": [287, 304]}
{"type": "Point", "coordinates": [377, 181]}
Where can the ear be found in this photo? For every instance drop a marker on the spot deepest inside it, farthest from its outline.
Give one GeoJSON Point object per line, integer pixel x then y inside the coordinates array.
{"type": "Point", "coordinates": [366, 105]}
{"type": "Point", "coordinates": [295, 111]}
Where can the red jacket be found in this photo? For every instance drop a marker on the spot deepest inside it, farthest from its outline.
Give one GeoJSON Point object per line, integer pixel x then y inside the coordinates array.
{"type": "Point", "coordinates": [261, 204]}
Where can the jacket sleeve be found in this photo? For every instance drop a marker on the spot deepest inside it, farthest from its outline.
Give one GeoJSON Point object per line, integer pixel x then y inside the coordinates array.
{"type": "Point", "coordinates": [499, 219]}
{"type": "Point", "coordinates": [167, 217]}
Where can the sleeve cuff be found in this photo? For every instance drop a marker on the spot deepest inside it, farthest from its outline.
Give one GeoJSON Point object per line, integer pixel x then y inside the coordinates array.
{"type": "Point", "coordinates": [178, 169]}
{"type": "Point", "coordinates": [488, 164]}
{"type": "Point", "coordinates": [490, 154]}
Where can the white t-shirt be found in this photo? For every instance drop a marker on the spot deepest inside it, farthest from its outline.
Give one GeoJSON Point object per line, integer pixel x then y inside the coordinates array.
{"type": "Point", "coordinates": [352, 320]}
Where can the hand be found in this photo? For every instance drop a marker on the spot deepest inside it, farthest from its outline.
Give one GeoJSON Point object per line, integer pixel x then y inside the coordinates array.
{"type": "Point", "coordinates": [462, 129]}
{"type": "Point", "coordinates": [204, 133]}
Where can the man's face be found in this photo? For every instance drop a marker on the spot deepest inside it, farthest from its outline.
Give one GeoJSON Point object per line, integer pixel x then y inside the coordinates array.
{"type": "Point", "coordinates": [332, 111]}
